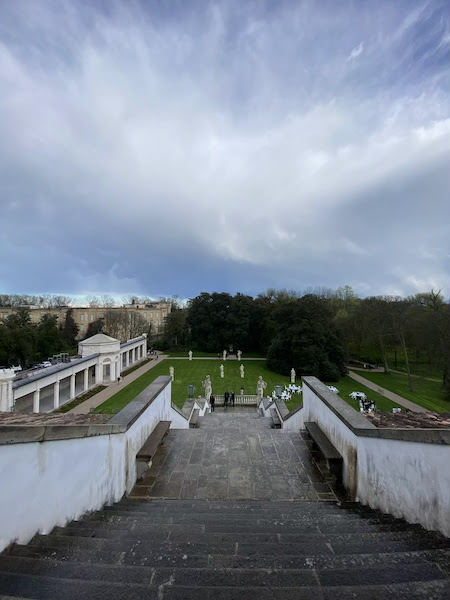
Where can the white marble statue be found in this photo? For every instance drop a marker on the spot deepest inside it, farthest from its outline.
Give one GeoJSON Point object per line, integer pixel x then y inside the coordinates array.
{"type": "Point", "coordinates": [208, 387]}
{"type": "Point", "coordinates": [241, 369]}
{"type": "Point", "coordinates": [190, 354]}
{"type": "Point", "coordinates": [221, 371]}
{"type": "Point", "coordinates": [239, 354]}
{"type": "Point", "coordinates": [260, 387]}
{"type": "Point", "coordinates": [293, 373]}
{"type": "Point", "coordinates": [224, 355]}
{"type": "Point", "coordinates": [172, 372]}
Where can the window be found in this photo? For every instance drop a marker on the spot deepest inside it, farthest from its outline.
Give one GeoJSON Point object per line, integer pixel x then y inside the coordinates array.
{"type": "Point", "coordinates": [100, 316]}
{"type": "Point", "coordinates": [82, 317]}
{"type": "Point", "coordinates": [151, 315]}
{"type": "Point", "coordinates": [92, 317]}
{"type": "Point", "coordinates": [82, 327]}
{"type": "Point", "coordinates": [145, 315]}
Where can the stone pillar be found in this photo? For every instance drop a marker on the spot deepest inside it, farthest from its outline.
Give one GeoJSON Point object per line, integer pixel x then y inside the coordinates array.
{"type": "Point", "coordinates": [72, 386]}
{"type": "Point", "coordinates": [56, 395]}
{"type": "Point", "coordinates": [112, 371]}
{"type": "Point", "coordinates": [98, 373]}
{"type": "Point", "coordinates": [36, 400]}
{"type": "Point", "coordinates": [6, 391]}
{"type": "Point", "coordinates": [85, 379]}
{"type": "Point", "coordinates": [144, 346]}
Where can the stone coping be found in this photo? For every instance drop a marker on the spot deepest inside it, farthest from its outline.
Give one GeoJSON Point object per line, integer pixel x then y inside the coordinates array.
{"type": "Point", "coordinates": [16, 434]}
{"type": "Point", "coordinates": [52, 371]}
{"type": "Point", "coordinates": [293, 412]}
{"type": "Point", "coordinates": [283, 410]}
{"type": "Point", "coordinates": [360, 426]}
{"type": "Point", "coordinates": [133, 341]}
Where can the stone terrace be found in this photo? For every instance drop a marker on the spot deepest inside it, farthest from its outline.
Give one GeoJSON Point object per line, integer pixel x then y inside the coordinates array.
{"type": "Point", "coordinates": [235, 455]}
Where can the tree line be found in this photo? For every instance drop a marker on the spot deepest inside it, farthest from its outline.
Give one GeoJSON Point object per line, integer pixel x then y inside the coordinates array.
{"type": "Point", "coordinates": [25, 343]}
{"type": "Point", "coordinates": [320, 330]}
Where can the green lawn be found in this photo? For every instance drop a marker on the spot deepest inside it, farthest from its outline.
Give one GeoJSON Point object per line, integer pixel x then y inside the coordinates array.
{"type": "Point", "coordinates": [419, 365]}
{"type": "Point", "coordinates": [195, 371]}
{"type": "Point", "coordinates": [428, 394]}
{"type": "Point", "coordinates": [347, 385]}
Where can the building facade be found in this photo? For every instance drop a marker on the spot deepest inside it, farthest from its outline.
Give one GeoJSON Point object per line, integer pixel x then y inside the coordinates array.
{"type": "Point", "coordinates": [153, 314]}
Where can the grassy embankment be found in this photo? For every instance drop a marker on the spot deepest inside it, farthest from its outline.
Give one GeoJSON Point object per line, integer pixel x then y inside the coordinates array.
{"type": "Point", "coordinates": [428, 394]}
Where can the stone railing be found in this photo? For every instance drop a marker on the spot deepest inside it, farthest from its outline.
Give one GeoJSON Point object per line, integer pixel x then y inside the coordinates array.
{"type": "Point", "coordinates": [239, 400]}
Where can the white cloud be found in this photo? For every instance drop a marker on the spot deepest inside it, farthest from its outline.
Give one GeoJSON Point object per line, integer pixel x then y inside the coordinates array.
{"type": "Point", "coordinates": [356, 51]}
{"type": "Point", "coordinates": [142, 143]}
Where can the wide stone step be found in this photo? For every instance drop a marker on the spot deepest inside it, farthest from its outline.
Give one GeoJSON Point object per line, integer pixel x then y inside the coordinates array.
{"type": "Point", "coordinates": [48, 587]}
{"type": "Point", "coordinates": [233, 560]}
{"type": "Point", "coordinates": [241, 537]}
{"type": "Point", "coordinates": [288, 519]}
{"type": "Point", "coordinates": [137, 527]}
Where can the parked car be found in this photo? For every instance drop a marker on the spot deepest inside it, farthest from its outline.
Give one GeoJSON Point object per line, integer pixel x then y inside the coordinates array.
{"type": "Point", "coordinates": [46, 363]}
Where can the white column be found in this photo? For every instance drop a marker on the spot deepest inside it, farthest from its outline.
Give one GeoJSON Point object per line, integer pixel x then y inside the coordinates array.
{"type": "Point", "coordinates": [98, 373]}
{"type": "Point", "coordinates": [86, 379]}
{"type": "Point", "coordinates": [36, 400]}
{"type": "Point", "coordinates": [144, 347]}
{"type": "Point", "coordinates": [56, 394]}
{"type": "Point", "coordinates": [6, 391]}
{"type": "Point", "coordinates": [112, 371]}
{"type": "Point", "coordinates": [130, 357]}
{"type": "Point", "coordinates": [72, 386]}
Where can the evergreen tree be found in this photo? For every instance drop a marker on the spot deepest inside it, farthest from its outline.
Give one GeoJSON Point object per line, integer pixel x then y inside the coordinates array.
{"type": "Point", "coordinates": [69, 330]}
{"type": "Point", "coordinates": [49, 339]}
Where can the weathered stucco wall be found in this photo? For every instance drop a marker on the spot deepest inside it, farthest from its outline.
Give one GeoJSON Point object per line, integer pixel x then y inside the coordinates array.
{"type": "Point", "coordinates": [406, 479]}
{"type": "Point", "coordinates": [402, 472]}
{"type": "Point", "coordinates": [76, 469]}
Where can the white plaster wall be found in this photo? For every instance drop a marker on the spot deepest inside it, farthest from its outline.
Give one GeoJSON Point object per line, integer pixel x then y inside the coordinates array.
{"type": "Point", "coordinates": [45, 484]}
{"type": "Point", "coordinates": [406, 479]}
{"type": "Point", "coordinates": [50, 483]}
{"type": "Point", "coordinates": [295, 422]}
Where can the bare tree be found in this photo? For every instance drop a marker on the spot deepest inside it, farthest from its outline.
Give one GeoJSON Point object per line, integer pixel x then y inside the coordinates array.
{"type": "Point", "coordinates": [107, 301]}
{"type": "Point", "coordinates": [93, 301]}
{"type": "Point", "coordinates": [137, 325]}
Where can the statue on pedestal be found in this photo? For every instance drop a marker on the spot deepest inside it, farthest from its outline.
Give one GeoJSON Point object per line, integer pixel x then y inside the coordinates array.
{"type": "Point", "coordinates": [190, 354]}
{"type": "Point", "coordinates": [241, 369]}
{"type": "Point", "coordinates": [221, 371]}
{"type": "Point", "coordinates": [224, 355]}
{"type": "Point", "coordinates": [260, 387]}
{"type": "Point", "coordinates": [293, 374]}
{"type": "Point", "coordinates": [208, 387]}
{"type": "Point", "coordinates": [172, 372]}
{"type": "Point", "coordinates": [239, 354]}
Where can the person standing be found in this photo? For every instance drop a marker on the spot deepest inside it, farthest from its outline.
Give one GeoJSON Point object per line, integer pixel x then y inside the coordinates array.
{"type": "Point", "coordinates": [232, 397]}
{"type": "Point", "coordinates": [225, 398]}
{"type": "Point", "coordinates": [212, 402]}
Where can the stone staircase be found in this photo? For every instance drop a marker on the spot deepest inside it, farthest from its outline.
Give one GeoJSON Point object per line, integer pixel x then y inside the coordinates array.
{"type": "Point", "coordinates": [230, 549]}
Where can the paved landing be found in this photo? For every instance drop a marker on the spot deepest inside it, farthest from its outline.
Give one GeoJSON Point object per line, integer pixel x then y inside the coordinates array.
{"type": "Point", "coordinates": [235, 455]}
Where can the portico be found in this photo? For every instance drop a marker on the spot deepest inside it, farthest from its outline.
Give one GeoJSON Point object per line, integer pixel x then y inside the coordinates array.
{"type": "Point", "coordinates": [101, 362]}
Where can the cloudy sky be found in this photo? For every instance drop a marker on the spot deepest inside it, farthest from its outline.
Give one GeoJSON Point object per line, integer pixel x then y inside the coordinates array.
{"type": "Point", "coordinates": [173, 147]}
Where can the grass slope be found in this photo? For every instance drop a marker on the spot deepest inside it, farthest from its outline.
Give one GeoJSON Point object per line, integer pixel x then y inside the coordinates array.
{"type": "Point", "coordinates": [428, 394]}
{"type": "Point", "coordinates": [347, 385]}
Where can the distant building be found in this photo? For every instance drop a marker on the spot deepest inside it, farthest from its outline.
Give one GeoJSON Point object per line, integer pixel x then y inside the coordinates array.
{"type": "Point", "coordinates": [153, 314]}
